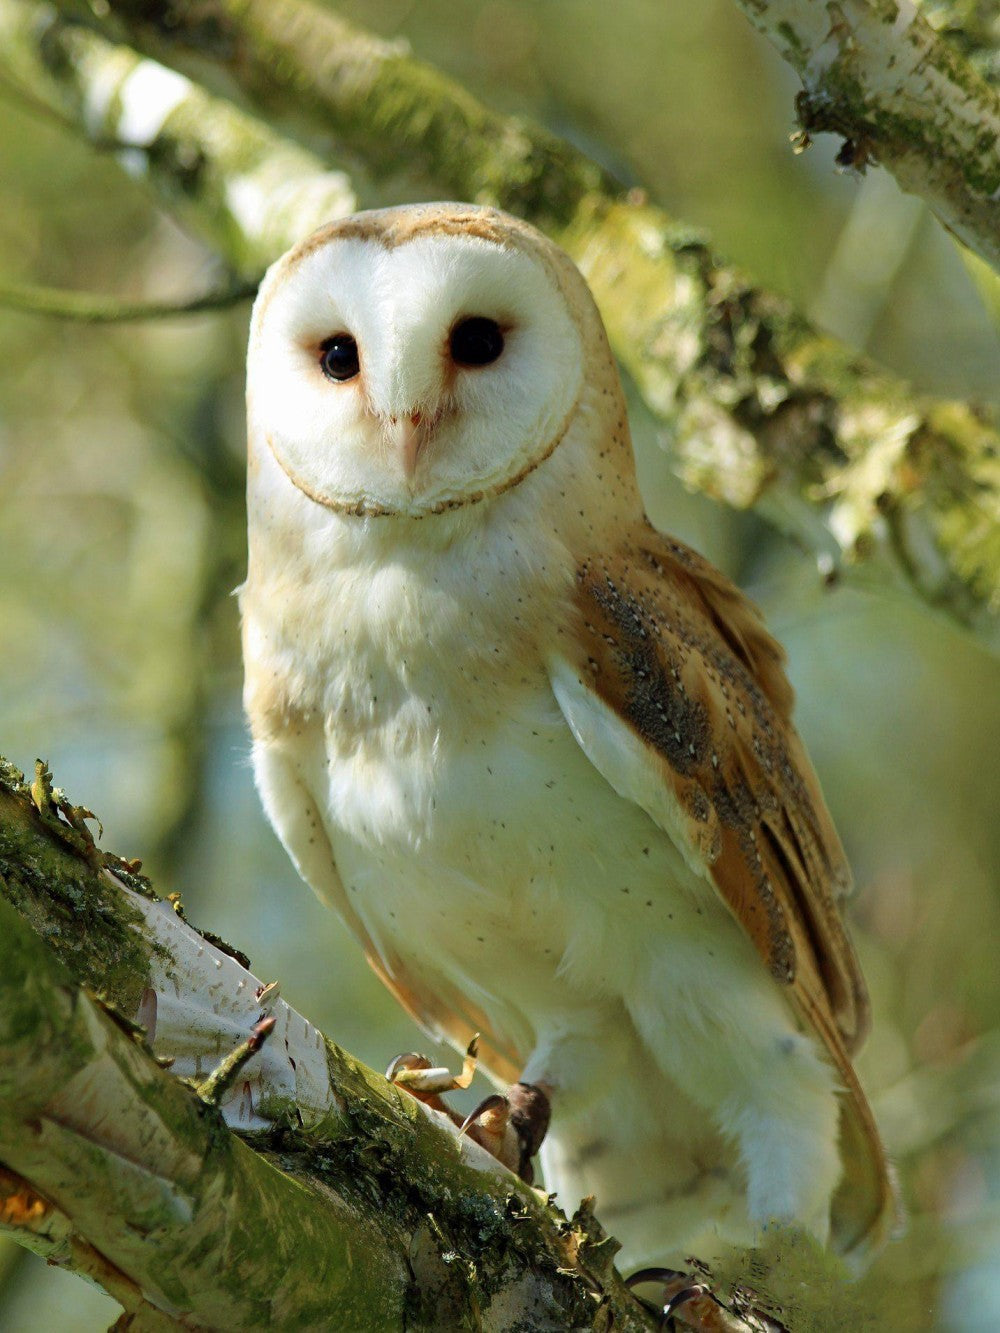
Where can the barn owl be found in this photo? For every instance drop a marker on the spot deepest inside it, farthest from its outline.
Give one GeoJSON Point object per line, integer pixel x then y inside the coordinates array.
{"type": "Point", "coordinates": [538, 755]}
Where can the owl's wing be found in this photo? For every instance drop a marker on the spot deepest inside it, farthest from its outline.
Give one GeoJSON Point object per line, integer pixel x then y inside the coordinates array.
{"type": "Point", "coordinates": [677, 694]}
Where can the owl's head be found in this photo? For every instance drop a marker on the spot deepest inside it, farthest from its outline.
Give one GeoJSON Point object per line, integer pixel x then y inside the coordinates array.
{"type": "Point", "coordinates": [418, 359]}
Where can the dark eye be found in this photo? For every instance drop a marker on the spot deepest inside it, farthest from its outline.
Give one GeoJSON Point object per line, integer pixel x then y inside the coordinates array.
{"type": "Point", "coordinates": [339, 359]}
{"type": "Point", "coordinates": [476, 341]}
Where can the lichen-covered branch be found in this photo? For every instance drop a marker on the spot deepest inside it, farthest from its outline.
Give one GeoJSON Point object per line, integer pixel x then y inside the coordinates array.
{"type": "Point", "coordinates": [337, 88]}
{"type": "Point", "coordinates": [758, 409]}
{"type": "Point", "coordinates": [973, 26]}
{"type": "Point", "coordinates": [342, 1204]}
{"type": "Point", "coordinates": [132, 1157]}
{"type": "Point", "coordinates": [241, 187]}
{"type": "Point", "coordinates": [876, 73]}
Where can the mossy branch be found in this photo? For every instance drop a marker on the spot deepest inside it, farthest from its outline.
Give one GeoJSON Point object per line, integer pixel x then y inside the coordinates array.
{"type": "Point", "coordinates": [758, 408]}
{"type": "Point", "coordinates": [876, 73]}
{"type": "Point", "coordinates": [131, 1155]}
{"type": "Point", "coordinates": [304, 1192]}
{"type": "Point", "coordinates": [973, 26]}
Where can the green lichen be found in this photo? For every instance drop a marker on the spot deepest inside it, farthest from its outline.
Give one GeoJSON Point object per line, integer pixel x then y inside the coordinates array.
{"type": "Point", "coordinates": [793, 48]}
{"type": "Point", "coordinates": [70, 903]}
{"type": "Point", "coordinates": [379, 1152]}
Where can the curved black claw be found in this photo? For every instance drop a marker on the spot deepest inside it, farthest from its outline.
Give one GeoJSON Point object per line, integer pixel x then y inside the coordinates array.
{"type": "Point", "coordinates": [512, 1127]}
{"type": "Point", "coordinates": [667, 1278]}
{"type": "Point", "coordinates": [678, 1289]}
{"type": "Point", "coordinates": [491, 1114]}
{"type": "Point", "coordinates": [407, 1060]}
{"type": "Point", "coordinates": [682, 1297]}
{"type": "Point", "coordinates": [661, 1275]}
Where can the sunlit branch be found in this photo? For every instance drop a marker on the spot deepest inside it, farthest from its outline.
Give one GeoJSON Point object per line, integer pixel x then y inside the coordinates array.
{"type": "Point", "coordinates": [758, 409]}
{"type": "Point", "coordinates": [876, 73]}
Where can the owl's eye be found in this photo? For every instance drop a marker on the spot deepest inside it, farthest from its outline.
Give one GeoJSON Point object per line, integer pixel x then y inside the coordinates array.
{"type": "Point", "coordinates": [339, 359]}
{"type": "Point", "coordinates": [476, 341]}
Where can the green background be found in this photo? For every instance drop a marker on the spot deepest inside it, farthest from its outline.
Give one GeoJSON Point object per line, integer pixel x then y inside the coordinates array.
{"type": "Point", "coordinates": [121, 530]}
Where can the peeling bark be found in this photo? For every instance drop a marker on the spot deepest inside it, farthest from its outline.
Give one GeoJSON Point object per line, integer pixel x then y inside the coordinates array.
{"type": "Point", "coordinates": [315, 1196]}
{"type": "Point", "coordinates": [876, 73]}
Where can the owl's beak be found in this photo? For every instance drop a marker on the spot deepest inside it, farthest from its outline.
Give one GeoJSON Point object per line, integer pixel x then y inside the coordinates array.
{"type": "Point", "coordinates": [408, 436]}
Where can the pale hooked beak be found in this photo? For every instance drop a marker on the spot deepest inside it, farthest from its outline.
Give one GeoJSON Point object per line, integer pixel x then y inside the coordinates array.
{"type": "Point", "coordinates": [407, 436]}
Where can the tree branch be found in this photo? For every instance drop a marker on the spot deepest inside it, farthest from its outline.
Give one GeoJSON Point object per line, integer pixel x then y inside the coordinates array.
{"type": "Point", "coordinates": [972, 27]}
{"type": "Point", "coordinates": [876, 72]}
{"type": "Point", "coordinates": [244, 189]}
{"type": "Point", "coordinates": [348, 1201]}
{"type": "Point", "coordinates": [758, 408]}
{"type": "Point", "coordinates": [37, 1224]}
{"type": "Point", "coordinates": [131, 1156]}
{"type": "Point", "coordinates": [98, 308]}
{"type": "Point", "coordinates": [341, 90]}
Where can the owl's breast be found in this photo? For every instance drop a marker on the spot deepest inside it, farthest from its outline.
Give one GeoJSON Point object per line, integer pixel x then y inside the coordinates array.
{"type": "Point", "coordinates": [474, 840]}
{"type": "Point", "coordinates": [439, 776]}
{"type": "Point", "coordinates": [501, 860]}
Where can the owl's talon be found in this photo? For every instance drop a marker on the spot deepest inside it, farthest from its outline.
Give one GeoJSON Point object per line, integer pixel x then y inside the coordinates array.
{"type": "Point", "coordinates": [416, 1074]}
{"type": "Point", "coordinates": [408, 1060]}
{"type": "Point", "coordinates": [512, 1128]}
{"type": "Point", "coordinates": [665, 1276]}
{"type": "Point", "coordinates": [682, 1297]}
{"type": "Point", "coordinates": [689, 1302]}
{"type": "Point", "coordinates": [491, 1115]}
{"type": "Point", "coordinates": [668, 1279]}
{"type": "Point", "coordinates": [490, 1125]}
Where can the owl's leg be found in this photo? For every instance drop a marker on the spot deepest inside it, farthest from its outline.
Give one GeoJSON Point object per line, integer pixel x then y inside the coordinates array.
{"type": "Point", "coordinates": [578, 1052]}
{"type": "Point", "coordinates": [718, 1027]}
{"type": "Point", "coordinates": [516, 1122]}
{"type": "Point", "coordinates": [511, 1128]}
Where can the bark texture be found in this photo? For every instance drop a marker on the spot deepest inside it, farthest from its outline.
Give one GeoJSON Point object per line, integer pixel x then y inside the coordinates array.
{"type": "Point", "coordinates": [876, 73]}
{"type": "Point", "coordinates": [314, 1195]}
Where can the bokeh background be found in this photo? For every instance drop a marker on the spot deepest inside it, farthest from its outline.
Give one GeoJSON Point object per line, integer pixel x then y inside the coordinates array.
{"type": "Point", "coordinates": [122, 538]}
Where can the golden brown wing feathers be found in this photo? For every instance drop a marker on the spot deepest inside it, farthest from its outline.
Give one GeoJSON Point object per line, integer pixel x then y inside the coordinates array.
{"type": "Point", "coordinates": [682, 657]}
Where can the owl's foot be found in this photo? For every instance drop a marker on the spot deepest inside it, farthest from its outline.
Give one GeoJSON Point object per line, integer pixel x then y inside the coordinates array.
{"type": "Point", "coordinates": [516, 1123]}
{"type": "Point", "coordinates": [510, 1128]}
{"type": "Point", "coordinates": [426, 1082]}
{"type": "Point", "coordinates": [687, 1301]}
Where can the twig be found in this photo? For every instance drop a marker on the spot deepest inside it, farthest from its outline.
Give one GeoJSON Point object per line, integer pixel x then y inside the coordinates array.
{"type": "Point", "coordinates": [214, 1089]}
{"type": "Point", "coordinates": [94, 308]}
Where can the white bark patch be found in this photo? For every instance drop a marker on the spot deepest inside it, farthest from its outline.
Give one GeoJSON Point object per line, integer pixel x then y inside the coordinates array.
{"type": "Point", "coordinates": [200, 1004]}
{"type": "Point", "coordinates": [147, 97]}
{"type": "Point", "coordinates": [891, 79]}
{"type": "Point", "coordinates": [905, 15]}
{"type": "Point", "coordinates": [206, 1003]}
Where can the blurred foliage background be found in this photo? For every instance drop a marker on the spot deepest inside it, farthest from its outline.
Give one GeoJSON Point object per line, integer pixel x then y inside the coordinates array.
{"type": "Point", "coordinates": [122, 537]}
